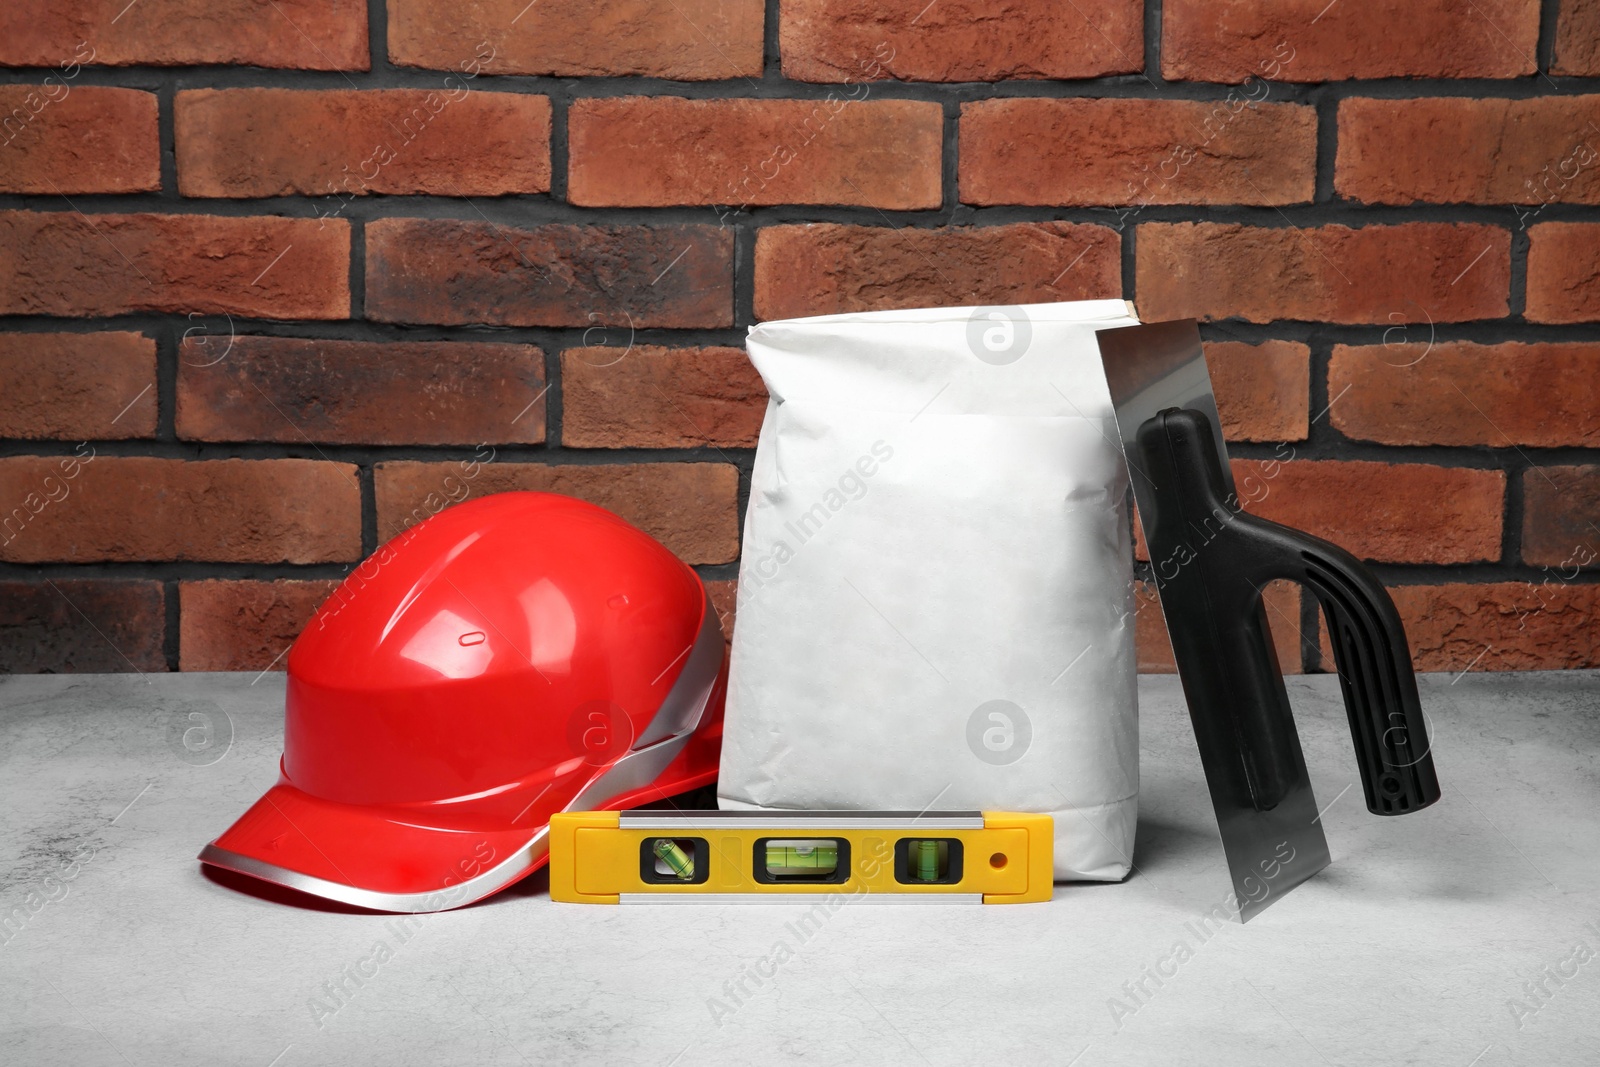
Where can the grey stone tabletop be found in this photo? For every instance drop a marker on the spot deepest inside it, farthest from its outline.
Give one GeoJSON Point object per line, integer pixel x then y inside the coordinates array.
{"type": "Point", "coordinates": [1463, 935]}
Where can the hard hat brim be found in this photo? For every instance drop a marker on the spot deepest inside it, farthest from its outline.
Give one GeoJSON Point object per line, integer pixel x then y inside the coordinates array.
{"type": "Point", "coordinates": [386, 861]}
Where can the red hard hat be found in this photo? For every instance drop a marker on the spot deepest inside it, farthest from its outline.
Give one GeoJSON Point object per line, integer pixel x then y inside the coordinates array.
{"type": "Point", "coordinates": [509, 658]}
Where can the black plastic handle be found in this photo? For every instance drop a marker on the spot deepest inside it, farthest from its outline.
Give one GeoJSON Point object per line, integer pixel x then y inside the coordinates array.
{"type": "Point", "coordinates": [1211, 560]}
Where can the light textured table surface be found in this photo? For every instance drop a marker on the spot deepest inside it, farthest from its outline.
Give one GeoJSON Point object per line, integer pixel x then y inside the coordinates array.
{"type": "Point", "coordinates": [1413, 948]}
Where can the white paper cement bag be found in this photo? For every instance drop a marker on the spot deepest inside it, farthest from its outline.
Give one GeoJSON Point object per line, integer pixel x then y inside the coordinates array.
{"type": "Point", "coordinates": [935, 597]}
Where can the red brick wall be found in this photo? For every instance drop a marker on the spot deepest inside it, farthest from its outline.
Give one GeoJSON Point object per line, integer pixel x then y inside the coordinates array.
{"type": "Point", "coordinates": [278, 280]}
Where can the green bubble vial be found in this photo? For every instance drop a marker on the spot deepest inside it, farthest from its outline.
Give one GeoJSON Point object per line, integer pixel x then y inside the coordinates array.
{"type": "Point", "coordinates": [681, 863]}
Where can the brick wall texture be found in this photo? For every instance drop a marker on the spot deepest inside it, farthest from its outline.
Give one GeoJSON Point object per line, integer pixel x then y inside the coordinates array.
{"type": "Point", "coordinates": [271, 275]}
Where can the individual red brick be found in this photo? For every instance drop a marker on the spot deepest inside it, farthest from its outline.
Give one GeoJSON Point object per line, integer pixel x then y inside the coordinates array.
{"type": "Point", "coordinates": [1564, 272]}
{"type": "Point", "coordinates": [958, 40]}
{"type": "Point", "coordinates": [1460, 393]}
{"type": "Point", "coordinates": [82, 625]}
{"type": "Point", "coordinates": [279, 142]}
{"type": "Point", "coordinates": [1263, 391]}
{"type": "Point", "coordinates": [455, 272]}
{"type": "Point", "coordinates": [645, 396]}
{"type": "Point", "coordinates": [692, 508]}
{"type": "Point", "coordinates": [640, 151]}
{"type": "Point", "coordinates": [77, 386]}
{"type": "Point", "coordinates": [1460, 150]}
{"type": "Point", "coordinates": [1078, 152]}
{"type": "Point", "coordinates": [724, 595]}
{"type": "Point", "coordinates": [87, 508]}
{"type": "Point", "coordinates": [1501, 626]}
{"type": "Point", "coordinates": [243, 625]}
{"type": "Point", "coordinates": [686, 40]}
{"type": "Point", "coordinates": [1578, 39]}
{"type": "Point", "coordinates": [1387, 512]}
{"type": "Point", "coordinates": [1154, 643]}
{"type": "Point", "coordinates": [57, 138]}
{"type": "Point", "coordinates": [68, 263]}
{"type": "Point", "coordinates": [1314, 40]}
{"type": "Point", "coordinates": [298, 34]}
{"type": "Point", "coordinates": [1561, 518]}
{"type": "Point", "coordinates": [1421, 271]}
{"type": "Point", "coordinates": [823, 268]}
{"type": "Point", "coordinates": [360, 392]}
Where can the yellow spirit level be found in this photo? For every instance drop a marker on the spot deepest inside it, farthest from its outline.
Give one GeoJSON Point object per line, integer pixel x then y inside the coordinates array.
{"type": "Point", "coordinates": [747, 857]}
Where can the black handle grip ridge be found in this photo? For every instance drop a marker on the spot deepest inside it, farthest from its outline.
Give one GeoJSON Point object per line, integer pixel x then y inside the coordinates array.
{"type": "Point", "coordinates": [1211, 560]}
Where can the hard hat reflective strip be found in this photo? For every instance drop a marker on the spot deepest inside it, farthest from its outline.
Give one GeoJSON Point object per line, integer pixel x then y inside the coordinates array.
{"type": "Point", "coordinates": [682, 710]}
{"type": "Point", "coordinates": [450, 896]}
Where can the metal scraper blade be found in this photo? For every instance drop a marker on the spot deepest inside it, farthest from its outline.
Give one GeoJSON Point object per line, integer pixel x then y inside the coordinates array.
{"type": "Point", "coordinates": [1271, 836]}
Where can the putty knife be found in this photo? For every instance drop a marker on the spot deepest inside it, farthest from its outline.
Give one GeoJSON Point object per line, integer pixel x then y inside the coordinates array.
{"type": "Point", "coordinates": [1210, 560]}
